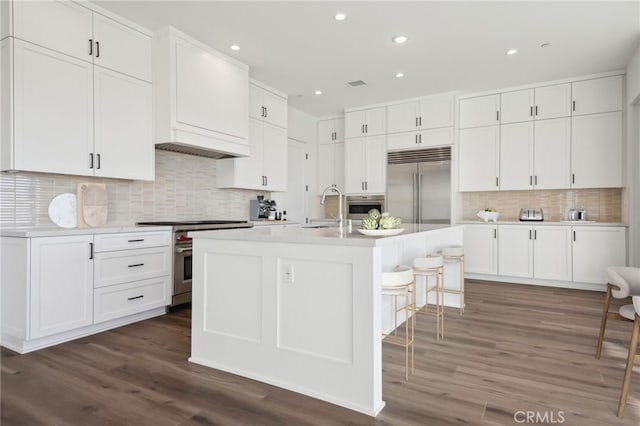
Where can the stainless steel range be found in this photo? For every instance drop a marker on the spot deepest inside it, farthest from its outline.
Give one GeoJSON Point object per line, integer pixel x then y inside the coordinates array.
{"type": "Point", "coordinates": [182, 246]}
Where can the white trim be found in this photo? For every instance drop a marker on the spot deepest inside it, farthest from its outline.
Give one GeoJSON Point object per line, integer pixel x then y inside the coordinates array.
{"type": "Point", "coordinates": [543, 283]}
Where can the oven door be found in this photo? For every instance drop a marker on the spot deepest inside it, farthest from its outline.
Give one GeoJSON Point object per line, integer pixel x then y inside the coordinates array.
{"type": "Point", "coordinates": [358, 207]}
{"type": "Point", "coordinates": [182, 269]}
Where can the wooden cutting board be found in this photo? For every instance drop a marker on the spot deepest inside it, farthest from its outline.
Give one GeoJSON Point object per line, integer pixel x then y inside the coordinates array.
{"type": "Point", "coordinates": [92, 205]}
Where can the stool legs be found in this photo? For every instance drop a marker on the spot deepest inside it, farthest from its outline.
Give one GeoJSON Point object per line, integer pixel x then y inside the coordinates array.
{"type": "Point", "coordinates": [633, 359]}
{"type": "Point", "coordinates": [606, 315]}
{"type": "Point", "coordinates": [439, 311]}
{"type": "Point", "coordinates": [409, 326]}
{"type": "Point", "coordinates": [460, 292]}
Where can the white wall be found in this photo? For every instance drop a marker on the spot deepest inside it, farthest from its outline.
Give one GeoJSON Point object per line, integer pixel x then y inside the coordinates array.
{"type": "Point", "coordinates": [633, 156]}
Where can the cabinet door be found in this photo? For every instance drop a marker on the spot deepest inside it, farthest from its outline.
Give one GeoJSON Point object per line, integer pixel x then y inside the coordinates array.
{"type": "Point", "coordinates": [326, 131]}
{"type": "Point", "coordinates": [61, 284]}
{"type": "Point", "coordinates": [212, 93]}
{"type": "Point", "coordinates": [338, 164]}
{"type": "Point", "coordinates": [59, 25]}
{"type": "Point", "coordinates": [338, 124]}
{"type": "Point", "coordinates": [407, 140]}
{"type": "Point", "coordinates": [375, 166]}
{"type": "Point", "coordinates": [552, 252]}
{"type": "Point", "coordinates": [479, 157]}
{"type": "Point", "coordinates": [256, 107]}
{"type": "Point", "coordinates": [326, 166]}
{"type": "Point", "coordinates": [553, 101]}
{"type": "Point", "coordinates": [403, 117]}
{"type": "Point", "coordinates": [596, 150]}
{"type": "Point", "coordinates": [515, 250]}
{"type": "Point", "coordinates": [480, 249]}
{"type": "Point", "coordinates": [53, 111]}
{"type": "Point", "coordinates": [354, 124]}
{"type": "Point", "coordinates": [376, 121]}
{"type": "Point", "coordinates": [436, 137]}
{"type": "Point", "coordinates": [597, 95]}
{"type": "Point", "coordinates": [516, 106]}
{"type": "Point", "coordinates": [123, 144]}
{"type": "Point", "coordinates": [246, 171]}
{"type": "Point", "coordinates": [275, 109]}
{"type": "Point", "coordinates": [594, 249]}
{"type": "Point", "coordinates": [274, 155]}
{"type": "Point", "coordinates": [121, 48]}
{"type": "Point", "coordinates": [552, 154]}
{"type": "Point", "coordinates": [516, 156]}
{"type": "Point", "coordinates": [480, 111]}
{"type": "Point", "coordinates": [354, 166]}
{"type": "Point", "coordinates": [436, 112]}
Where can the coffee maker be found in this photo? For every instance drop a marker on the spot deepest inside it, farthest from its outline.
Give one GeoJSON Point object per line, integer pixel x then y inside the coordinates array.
{"type": "Point", "coordinates": [261, 209]}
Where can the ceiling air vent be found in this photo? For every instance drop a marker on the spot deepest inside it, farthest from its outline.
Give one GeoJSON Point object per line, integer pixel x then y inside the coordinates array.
{"type": "Point", "coordinates": [357, 83]}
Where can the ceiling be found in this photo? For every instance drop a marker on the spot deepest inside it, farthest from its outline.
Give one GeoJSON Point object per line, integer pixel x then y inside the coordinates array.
{"type": "Point", "coordinates": [298, 47]}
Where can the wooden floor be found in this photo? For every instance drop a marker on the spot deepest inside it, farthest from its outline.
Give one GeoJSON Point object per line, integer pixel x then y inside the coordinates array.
{"type": "Point", "coordinates": [517, 349]}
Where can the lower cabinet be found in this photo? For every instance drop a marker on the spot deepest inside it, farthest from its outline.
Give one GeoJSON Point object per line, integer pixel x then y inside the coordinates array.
{"type": "Point", "coordinates": [55, 289]}
{"type": "Point", "coordinates": [579, 254]}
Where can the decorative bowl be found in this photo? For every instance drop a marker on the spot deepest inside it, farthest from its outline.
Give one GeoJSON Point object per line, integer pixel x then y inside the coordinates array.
{"type": "Point", "coordinates": [488, 216]}
{"type": "Point", "coordinates": [380, 232]}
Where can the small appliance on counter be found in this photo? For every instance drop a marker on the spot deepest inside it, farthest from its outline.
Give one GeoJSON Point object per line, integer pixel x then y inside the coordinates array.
{"type": "Point", "coordinates": [534, 215]}
{"type": "Point", "coordinates": [261, 209]}
{"type": "Point", "coordinates": [576, 215]}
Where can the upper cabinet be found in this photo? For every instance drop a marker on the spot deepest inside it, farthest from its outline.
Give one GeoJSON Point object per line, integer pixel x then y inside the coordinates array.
{"type": "Point", "coordinates": [480, 111]}
{"type": "Point", "coordinates": [331, 130]}
{"type": "Point", "coordinates": [201, 96]}
{"type": "Point", "coordinates": [540, 103]}
{"type": "Point", "coordinates": [597, 95]}
{"type": "Point", "coordinates": [267, 106]}
{"type": "Point", "coordinates": [366, 122]}
{"type": "Point", "coordinates": [95, 112]}
{"type": "Point", "coordinates": [427, 113]}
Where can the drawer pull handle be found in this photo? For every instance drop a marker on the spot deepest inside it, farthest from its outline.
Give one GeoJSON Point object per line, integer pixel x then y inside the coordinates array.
{"type": "Point", "coordinates": [136, 241]}
{"type": "Point", "coordinates": [137, 264]}
{"type": "Point", "coordinates": [136, 297]}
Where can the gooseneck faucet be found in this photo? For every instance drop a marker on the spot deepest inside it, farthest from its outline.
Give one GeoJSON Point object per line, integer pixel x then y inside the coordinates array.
{"type": "Point", "coordinates": [324, 195]}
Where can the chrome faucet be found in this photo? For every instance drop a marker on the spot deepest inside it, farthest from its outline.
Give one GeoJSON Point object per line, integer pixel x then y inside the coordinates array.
{"type": "Point", "coordinates": [335, 189]}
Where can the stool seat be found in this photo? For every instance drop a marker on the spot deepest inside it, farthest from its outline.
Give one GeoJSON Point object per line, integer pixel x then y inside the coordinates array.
{"type": "Point", "coordinates": [428, 262]}
{"type": "Point", "coordinates": [402, 275]}
{"type": "Point", "coordinates": [628, 312]}
{"type": "Point", "coordinates": [626, 278]}
{"type": "Point", "coordinates": [453, 251]}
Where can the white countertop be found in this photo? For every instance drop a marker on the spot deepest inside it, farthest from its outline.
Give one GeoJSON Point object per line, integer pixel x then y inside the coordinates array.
{"type": "Point", "coordinates": [545, 223]}
{"type": "Point", "coordinates": [60, 232]}
{"type": "Point", "coordinates": [315, 236]}
{"type": "Point", "coordinates": [266, 222]}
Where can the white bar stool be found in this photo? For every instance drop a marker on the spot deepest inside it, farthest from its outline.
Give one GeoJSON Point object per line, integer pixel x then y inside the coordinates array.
{"type": "Point", "coordinates": [634, 356]}
{"type": "Point", "coordinates": [432, 266]}
{"type": "Point", "coordinates": [623, 281]}
{"type": "Point", "coordinates": [455, 255]}
{"type": "Point", "coordinates": [400, 283]}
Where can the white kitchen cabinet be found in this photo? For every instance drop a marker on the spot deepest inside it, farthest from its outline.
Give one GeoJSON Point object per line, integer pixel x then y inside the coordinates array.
{"type": "Point", "coordinates": [516, 106]}
{"type": "Point", "coordinates": [330, 166]}
{"type": "Point", "coordinates": [123, 125]}
{"type": "Point", "coordinates": [597, 95]}
{"type": "Point", "coordinates": [552, 154]}
{"type": "Point", "coordinates": [596, 150]}
{"type": "Point", "coordinates": [552, 252]}
{"type": "Point", "coordinates": [481, 249]}
{"type": "Point", "coordinates": [426, 113]}
{"type": "Point", "coordinates": [266, 104]}
{"type": "Point", "coordinates": [61, 284]}
{"type": "Point", "coordinates": [201, 97]}
{"type": "Point", "coordinates": [594, 249]}
{"type": "Point", "coordinates": [552, 101]}
{"type": "Point", "coordinates": [366, 122]}
{"type": "Point", "coordinates": [420, 139]}
{"type": "Point", "coordinates": [480, 111]}
{"type": "Point", "coordinates": [330, 130]}
{"type": "Point", "coordinates": [515, 251]}
{"type": "Point", "coordinates": [265, 169]}
{"type": "Point", "coordinates": [479, 159]}
{"type": "Point", "coordinates": [365, 165]}
{"type": "Point", "coordinates": [516, 156]}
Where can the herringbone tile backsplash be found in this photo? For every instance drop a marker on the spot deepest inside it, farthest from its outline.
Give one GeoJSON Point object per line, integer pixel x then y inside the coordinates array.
{"type": "Point", "coordinates": [184, 189]}
{"type": "Point", "coordinates": [603, 205]}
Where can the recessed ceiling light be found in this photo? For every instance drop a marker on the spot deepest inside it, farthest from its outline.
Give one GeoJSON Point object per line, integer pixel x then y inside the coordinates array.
{"type": "Point", "coordinates": [546, 44]}
{"type": "Point", "coordinates": [235, 47]}
{"type": "Point", "coordinates": [512, 51]}
{"type": "Point", "coordinates": [318, 92]}
{"type": "Point", "coordinates": [399, 74]}
{"type": "Point", "coordinates": [400, 39]}
{"type": "Point", "coordinates": [340, 17]}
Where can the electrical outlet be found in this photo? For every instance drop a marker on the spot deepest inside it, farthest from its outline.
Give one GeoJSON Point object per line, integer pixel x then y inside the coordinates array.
{"type": "Point", "coordinates": [287, 272]}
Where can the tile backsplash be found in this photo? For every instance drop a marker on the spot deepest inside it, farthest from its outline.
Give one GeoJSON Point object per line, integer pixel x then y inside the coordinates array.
{"type": "Point", "coordinates": [184, 189]}
{"type": "Point", "coordinates": [603, 205]}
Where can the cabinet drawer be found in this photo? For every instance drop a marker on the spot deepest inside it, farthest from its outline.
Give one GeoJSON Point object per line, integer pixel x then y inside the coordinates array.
{"type": "Point", "coordinates": [126, 299]}
{"type": "Point", "coordinates": [117, 267]}
{"type": "Point", "coordinates": [132, 240]}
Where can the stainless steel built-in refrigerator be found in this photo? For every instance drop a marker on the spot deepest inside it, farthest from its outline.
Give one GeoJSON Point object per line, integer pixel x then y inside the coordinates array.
{"type": "Point", "coordinates": [419, 185]}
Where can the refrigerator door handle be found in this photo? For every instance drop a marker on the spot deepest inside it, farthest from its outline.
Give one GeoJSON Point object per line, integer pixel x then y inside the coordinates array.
{"type": "Point", "coordinates": [419, 198]}
{"type": "Point", "coordinates": [414, 198]}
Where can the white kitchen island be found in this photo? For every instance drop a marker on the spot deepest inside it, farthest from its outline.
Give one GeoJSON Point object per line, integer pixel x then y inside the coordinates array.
{"type": "Point", "coordinates": [300, 308]}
